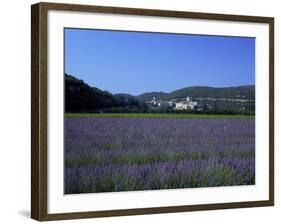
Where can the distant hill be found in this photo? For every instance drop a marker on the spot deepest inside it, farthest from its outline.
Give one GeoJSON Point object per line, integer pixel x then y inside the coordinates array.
{"type": "Point", "coordinates": [239, 92]}
{"type": "Point", "coordinates": [80, 97]}
{"type": "Point", "coordinates": [126, 100]}
{"type": "Point", "coordinates": [149, 96]}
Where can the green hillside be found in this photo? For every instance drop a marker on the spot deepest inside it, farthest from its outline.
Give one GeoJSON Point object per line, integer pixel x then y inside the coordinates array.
{"type": "Point", "coordinates": [240, 92]}
{"type": "Point", "coordinates": [149, 96]}
{"type": "Point", "coordinates": [80, 97]}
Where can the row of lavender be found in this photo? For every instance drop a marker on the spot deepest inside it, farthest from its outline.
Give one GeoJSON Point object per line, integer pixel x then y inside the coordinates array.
{"type": "Point", "coordinates": [124, 154]}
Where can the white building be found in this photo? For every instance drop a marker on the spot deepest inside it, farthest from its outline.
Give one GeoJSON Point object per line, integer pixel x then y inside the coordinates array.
{"type": "Point", "coordinates": [184, 105]}
{"type": "Point", "coordinates": [153, 102]}
{"type": "Point", "coordinates": [181, 106]}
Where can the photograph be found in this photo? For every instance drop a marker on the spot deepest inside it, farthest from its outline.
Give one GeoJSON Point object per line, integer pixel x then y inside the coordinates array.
{"type": "Point", "coordinates": [156, 111]}
{"type": "Point", "coordinates": [139, 111]}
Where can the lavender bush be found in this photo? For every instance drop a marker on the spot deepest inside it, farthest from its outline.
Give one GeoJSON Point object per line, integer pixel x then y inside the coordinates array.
{"type": "Point", "coordinates": [128, 154]}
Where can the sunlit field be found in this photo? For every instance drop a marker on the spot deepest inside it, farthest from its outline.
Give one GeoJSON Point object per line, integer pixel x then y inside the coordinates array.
{"type": "Point", "coordinates": [130, 152]}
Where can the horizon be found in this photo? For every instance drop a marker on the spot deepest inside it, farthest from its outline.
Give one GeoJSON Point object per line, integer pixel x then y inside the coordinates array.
{"type": "Point", "coordinates": [182, 88]}
{"type": "Point", "coordinates": [167, 92]}
{"type": "Point", "coordinates": [135, 63]}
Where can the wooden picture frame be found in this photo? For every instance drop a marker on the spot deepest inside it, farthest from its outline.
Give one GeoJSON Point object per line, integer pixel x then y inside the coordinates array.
{"type": "Point", "coordinates": [39, 109]}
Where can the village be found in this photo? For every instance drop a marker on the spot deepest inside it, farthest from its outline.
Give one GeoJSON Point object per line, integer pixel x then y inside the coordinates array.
{"type": "Point", "coordinates": [176, 104]}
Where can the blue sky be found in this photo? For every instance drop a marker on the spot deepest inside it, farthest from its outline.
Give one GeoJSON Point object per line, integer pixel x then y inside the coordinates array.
{"type": "Point", "coordinates": [138, 62]}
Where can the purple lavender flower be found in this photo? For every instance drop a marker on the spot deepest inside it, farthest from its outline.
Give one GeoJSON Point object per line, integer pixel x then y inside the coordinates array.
{"type": "Point", "coordinates": [128, 154]}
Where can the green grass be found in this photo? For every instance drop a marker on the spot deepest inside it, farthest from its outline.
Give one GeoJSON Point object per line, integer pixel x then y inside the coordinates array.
{"type": "Point", "coordinates": [155, 115]}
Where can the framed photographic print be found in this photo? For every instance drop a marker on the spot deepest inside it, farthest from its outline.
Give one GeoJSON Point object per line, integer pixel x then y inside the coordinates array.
{"type": "Point", "coordinates": [141, 111]}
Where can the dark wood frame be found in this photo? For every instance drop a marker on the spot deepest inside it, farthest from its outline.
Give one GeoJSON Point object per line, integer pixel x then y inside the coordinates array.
{"type": "Point", "coordinates": [39, 110]}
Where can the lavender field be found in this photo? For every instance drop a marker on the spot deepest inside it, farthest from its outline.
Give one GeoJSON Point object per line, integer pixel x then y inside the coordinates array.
{"type": "Point", "coordinates": [130, 154]}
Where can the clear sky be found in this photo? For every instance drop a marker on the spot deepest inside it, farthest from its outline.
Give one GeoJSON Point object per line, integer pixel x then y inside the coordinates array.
{"type": "Point", "coordinates": [138, 62]}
